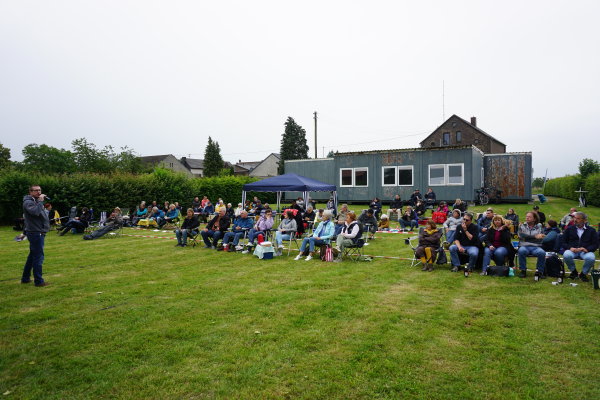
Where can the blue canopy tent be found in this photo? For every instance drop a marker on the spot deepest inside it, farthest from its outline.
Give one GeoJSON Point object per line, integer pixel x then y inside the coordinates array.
{"type": "Point", "coordinates": [289, 183]}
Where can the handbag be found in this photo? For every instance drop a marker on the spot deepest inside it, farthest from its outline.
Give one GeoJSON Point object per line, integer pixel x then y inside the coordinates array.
{"type": "Point", "coordinates": [326, 253]}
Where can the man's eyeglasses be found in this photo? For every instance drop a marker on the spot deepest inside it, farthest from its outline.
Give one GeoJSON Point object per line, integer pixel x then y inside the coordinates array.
{"type": "Point", "coordinates": [35, 190]}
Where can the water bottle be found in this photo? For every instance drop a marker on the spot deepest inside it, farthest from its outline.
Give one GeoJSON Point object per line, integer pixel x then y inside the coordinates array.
{"type": "Point", "coordinates": [511, 271]}
{"type": "Point", "coordinates": [466, 271]}
{"type": "Point", "coordinates": [537, 275]}
{"type": "Point", "coordinates": [561, 275]}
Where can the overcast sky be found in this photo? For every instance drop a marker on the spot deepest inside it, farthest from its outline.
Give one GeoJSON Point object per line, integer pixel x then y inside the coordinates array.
{"type": "Point", "coordinates": [161, 76]}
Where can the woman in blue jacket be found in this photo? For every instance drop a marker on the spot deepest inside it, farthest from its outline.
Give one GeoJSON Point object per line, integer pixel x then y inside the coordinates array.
{"type": "Point", "coordinates": [321, 235]}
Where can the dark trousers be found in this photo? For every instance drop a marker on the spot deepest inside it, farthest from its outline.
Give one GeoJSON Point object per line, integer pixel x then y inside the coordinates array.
{"type": "Point", "coordinates": [77, 225]}
{"type": "Point", "coordinates": [215, 235]}
{"type": "Point", "coordinates": [35, 259]}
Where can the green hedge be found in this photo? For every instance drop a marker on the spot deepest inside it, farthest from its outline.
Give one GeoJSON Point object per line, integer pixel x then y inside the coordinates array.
{"type": "Point", "coordinates": [103, 192]}
{"type": "Point", "coordinates": [566, 186]}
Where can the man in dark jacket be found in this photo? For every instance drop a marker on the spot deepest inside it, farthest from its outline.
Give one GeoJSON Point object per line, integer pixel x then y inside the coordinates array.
{"type": "Point", "coordinates": [581, 241]}
{"type": "Point", "coordinates": [215, 229]}
{"type": "Point", "coordinates": [37, 225]}
{"type": "Point", "coordinates": [466, 240]}
{"type": "Point", "coordinates": [416, 196]}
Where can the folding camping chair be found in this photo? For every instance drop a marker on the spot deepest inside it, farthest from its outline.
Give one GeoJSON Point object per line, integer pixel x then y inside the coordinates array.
{"type": "Point", "coordinates": [193, 237]}
{"type": "Point", "coordinates": [292, 240]}
{"type": "Point", "coordinates": [413, 242]}
{"type": "Point", "coordinates": [354, 251]}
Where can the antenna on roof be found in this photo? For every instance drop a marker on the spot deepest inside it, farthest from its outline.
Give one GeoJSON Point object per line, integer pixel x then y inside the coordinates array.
{"type": "Point", "coordinates": [443, 103]}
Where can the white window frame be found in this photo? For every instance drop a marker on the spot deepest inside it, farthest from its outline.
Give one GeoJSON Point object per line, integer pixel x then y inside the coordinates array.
{"type": "Point", "coordinates": [395, 168]}
{"type": "Point", "coordinates": [366, 169]}
{"type": "Point", "coordinates": [462, 174]}
{"type": "Point", "coordinates": [354, 170]}
{"type": "Point", "coordinates": [412, 174]}
{"type": "Point", "coordinates": [447, 174]}
{"type": "Point", "coordinates": [429, 174]}
{"type": "Point", "coordinates": [351, 177]}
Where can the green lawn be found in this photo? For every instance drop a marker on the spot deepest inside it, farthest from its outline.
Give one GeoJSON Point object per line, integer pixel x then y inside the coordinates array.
{"type": "Point", "coordinates": [132, 317]}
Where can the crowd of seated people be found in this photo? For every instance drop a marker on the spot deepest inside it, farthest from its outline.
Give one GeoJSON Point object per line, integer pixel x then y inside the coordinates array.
{"type": "Point", "coordinates": [491, 237]}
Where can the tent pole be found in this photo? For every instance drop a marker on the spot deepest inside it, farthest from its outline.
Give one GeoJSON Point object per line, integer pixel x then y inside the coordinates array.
{"type": "Point", "coordinates": [278, 202]}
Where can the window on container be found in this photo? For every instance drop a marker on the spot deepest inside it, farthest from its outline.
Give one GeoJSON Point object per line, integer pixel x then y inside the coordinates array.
{"type": "Point", "coordinates": [437, 175]}
{"type": "Point", "coordinates": [389, 176]}
{"type": "Point", "coordinates": [361, 177]}
{"type": "Point", "coordinates": [455, 174]}
{"type": "Point", "coordinates": [458, 136]}
{"type": "Point", "coordinates": [405, 176]}
{"type": "Point", "coordinates": [446, 139]}
{"type": "Point", "coordinates": [346, 176]}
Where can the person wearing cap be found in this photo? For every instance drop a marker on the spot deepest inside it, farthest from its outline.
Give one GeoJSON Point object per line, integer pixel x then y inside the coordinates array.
{"type": "Point", "coordinates": [113, 222]}
{"type": "Point", "coordinates": [416, 196]}
{"type": "Point", "coordinates": [384, 223]}
{"type": "Point", "coordinates": [540, 214]}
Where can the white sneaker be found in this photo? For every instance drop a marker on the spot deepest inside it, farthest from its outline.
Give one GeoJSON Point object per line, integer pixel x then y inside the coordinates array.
{"type": "Point", "coordinates": [299, 256]}
{"type": "Point", "coordinates": [245, 252]}
{"type": "Point", "coordinates": [308, 258]}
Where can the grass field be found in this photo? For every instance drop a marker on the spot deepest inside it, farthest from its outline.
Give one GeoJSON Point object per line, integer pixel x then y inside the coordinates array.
{"type": "Point", "coordinates": [136, 318]}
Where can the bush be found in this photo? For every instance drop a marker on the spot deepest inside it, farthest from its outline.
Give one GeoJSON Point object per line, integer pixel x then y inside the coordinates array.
{"type": "Point", "coordinates": [567, 186]}
{"type": "Point", "coordinates": [103, 192]}
{"type": "Point", "coordinates": [592, 185]}
{"type": "Point", "coordinates": [564, 187]}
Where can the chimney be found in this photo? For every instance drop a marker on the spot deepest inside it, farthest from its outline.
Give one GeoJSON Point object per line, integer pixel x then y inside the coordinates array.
{"type": "Point", "coordinates": [474, 121]}
{"type": "Point", "coordinates": [239, 161]}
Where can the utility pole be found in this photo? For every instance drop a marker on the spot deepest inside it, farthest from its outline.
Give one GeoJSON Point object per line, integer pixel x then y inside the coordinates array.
{"type": "Point", "coordinates": [315, 114]}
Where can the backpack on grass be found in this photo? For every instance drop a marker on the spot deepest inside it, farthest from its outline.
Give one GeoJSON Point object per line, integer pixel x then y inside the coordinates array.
{"type": "Point", "coordinates": [554, 266]}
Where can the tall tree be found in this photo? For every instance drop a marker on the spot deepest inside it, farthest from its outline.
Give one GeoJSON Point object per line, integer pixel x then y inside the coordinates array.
{"type": "Point", "coordinates": [213, 162]}
{"type": "Point", "coordinates": [48, 159]}
{"type": "Point", "coordinates": [128, 161]}
{"type": "Point", "coordinates": [588, 167]}
{"type": "Point", "coordinates": [91, 159]}
{"type": "Point", "coordinates": [293, 143]}
{"type": "Point", "coordinates": [4, 156]}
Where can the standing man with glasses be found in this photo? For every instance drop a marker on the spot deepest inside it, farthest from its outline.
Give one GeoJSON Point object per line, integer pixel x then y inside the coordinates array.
{"type": "Point", "coordinates": [36, 227]}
